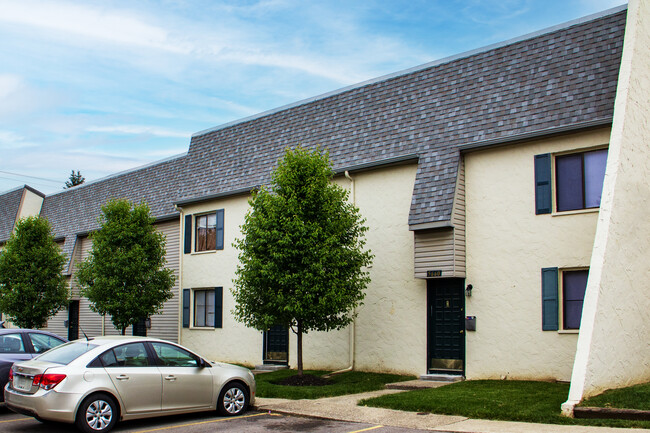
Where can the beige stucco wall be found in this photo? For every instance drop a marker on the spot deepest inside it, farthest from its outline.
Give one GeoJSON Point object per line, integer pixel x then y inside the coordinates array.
{"type": "Point", "coordinates": [391, 326]}
{"type": "Point", "coordinates": [614, 349]}
{"type": "Point", "coordinates": [507, 246]}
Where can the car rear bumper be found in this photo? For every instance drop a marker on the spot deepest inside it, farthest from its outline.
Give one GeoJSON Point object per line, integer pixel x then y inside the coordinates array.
{"type": "Point", "coordinates": [49, 405]}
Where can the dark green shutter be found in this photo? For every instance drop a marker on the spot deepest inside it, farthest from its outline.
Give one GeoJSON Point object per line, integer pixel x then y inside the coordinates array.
{"type": "Point", "coordinates": [220, 229]}
{"type": "Point", "coordinates": [550, 299]}
{"type": "Point", "coordinates": [188, 234]}
{"type": "Point", "coordinates": [543, 194]}
{"type": "Point", "coordinates": [186, 308]}
{"type": "Point", "coordinates": [218, 307]}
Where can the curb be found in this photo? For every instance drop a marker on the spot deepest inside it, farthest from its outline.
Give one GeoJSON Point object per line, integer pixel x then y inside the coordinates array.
{"type": "Point", "coordinates": [610, 413]}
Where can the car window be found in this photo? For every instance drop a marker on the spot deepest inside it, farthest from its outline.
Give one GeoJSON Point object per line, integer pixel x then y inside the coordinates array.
{"type": "Point", "coordinates": [11, 343]}
{"type": "Point", "coordinates": [43, 342]}
{"type": "Point", "coordinates": [172, 356]}
{"type": "Point", "coordinates": [66, 353]}
{"type": "Point", "coordinates": [127, 355]}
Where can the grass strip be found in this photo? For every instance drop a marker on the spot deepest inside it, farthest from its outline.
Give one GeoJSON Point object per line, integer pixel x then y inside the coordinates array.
{"type": "Point", "coordinates": [526, 401]}
{"type": "Point", "coordinates": [633, 397]}
{"type": "Point", "coordinates": [352, 382]}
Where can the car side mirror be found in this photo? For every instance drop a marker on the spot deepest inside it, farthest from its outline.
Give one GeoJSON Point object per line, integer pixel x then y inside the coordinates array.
{"type": "Point", "coordinates": [202, 363]}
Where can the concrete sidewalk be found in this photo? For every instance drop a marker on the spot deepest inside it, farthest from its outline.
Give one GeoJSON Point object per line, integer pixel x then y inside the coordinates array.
{"type": "Point", "coordinates": [345, 408]}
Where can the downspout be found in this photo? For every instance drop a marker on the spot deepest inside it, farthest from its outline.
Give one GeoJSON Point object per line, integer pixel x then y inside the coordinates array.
{"type": "Point", "coordinates": [353, 325]}
{"type": "Point", "coordinates": [180, 271]}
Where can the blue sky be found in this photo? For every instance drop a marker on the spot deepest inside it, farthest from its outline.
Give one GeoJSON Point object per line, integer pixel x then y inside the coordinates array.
{"type": "Point", "coordinates": [103, 87]}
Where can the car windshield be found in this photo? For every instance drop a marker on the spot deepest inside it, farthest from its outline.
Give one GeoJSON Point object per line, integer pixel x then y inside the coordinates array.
{"type": "Point", "coordinates": [66, 353]}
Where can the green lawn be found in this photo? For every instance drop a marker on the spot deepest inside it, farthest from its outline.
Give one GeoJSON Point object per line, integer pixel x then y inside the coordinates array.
{"type": "Point", "coordinates": [633, 397]}
{"type": "Point", "coordinates": [500, 400]}
{"type": "Point", "coordinates": [352, 382]}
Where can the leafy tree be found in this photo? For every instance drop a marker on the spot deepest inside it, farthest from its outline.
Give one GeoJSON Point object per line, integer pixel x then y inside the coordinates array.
{"type": "Point", "coordinates": [32, 285]}
{"type": "Point", "coordinates": [74, 179]}
{"type": "Point", "coordinates": [124, 276]}
{"type": "Point", "coordinates": [301, 254]}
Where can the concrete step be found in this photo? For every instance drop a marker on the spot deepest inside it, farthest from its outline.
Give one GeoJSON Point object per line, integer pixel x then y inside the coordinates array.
{"type": "Point", "coordinates": [442, 377]}
{"type": "Point", "coordinates": [265, 368]}
{"type": "Point", "coordinates": [411, 385]}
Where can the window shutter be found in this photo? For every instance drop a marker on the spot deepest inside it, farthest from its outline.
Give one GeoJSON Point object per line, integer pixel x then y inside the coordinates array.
{"type": "Point", "coordinates": [218, 307]}
{"type": "Point", "coordinates": [186, 308]}
{"type": "Point", "coordinates": [543, 195]}
{"type": "Point", "coordinates": [188, 234]}
{"type": "Point", "coordinates": [220, 229]}
{"type": "Point", "coordinates": [550, 299]}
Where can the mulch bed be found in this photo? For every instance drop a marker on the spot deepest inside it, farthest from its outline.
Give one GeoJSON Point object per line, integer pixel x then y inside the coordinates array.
{"type": "Point", "coordinates": [304, 380]}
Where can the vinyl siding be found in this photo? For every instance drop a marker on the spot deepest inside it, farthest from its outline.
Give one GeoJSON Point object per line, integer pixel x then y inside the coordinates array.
{"type": "Point", "coordinates": [163, 325]}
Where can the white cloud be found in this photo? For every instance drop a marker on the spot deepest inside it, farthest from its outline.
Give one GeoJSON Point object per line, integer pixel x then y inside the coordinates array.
{"type": "Point", "coordinates": [111, 26]}
{"type": "Point", "coordinates": [11, 140]}
{"type": "Point", "coordinates": [138, 130]}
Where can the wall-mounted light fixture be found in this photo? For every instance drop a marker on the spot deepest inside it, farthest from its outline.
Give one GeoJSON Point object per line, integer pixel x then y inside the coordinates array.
{"type": "Point", "coordinates": [468, 290]}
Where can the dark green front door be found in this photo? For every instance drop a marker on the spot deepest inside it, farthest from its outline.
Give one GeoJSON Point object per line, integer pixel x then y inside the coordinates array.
{"type": "Point", "coordinates": [446, 325]}
{"type": "Point", "coordinates": [276, 345]}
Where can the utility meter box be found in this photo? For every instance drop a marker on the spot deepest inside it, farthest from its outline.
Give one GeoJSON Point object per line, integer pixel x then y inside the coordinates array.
{"type": "Point", "coordinates": [470, 323]}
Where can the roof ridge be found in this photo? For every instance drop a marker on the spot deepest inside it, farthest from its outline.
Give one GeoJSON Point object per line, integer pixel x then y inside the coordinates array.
{"type": "Point", "coordinates": [448, 59]}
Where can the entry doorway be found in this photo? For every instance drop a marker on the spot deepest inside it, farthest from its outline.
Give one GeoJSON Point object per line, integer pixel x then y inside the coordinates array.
{"type": "Point", "coordinates": [276, 345]}
{"type": "Point", "coordinates": [446, 326]}
{"type": "Point", "coordinates": [73, 320]}
{"type": "Point", "coordinates": [140, 328]}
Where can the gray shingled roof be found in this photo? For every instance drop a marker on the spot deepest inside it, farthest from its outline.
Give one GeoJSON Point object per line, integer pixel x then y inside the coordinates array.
{"type": "Point", "coordinates": [560, 78]}
{"type": "Point", "coordinates": [557, 79]}
{"type": "Point", "coordinates": [76, 210]}
{"type": "Point", "coordinates": [9, 204]}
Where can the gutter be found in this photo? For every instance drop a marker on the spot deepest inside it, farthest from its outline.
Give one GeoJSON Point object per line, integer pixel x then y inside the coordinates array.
{"type": "Point", "coordinates": [353, 325]}
{"type": "Point", "coordinates": [540, 133]}
{"type": "Point", "coordinates": [181, 256]}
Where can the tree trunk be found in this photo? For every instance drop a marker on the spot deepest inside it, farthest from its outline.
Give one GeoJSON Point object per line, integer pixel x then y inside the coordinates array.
{"type": "Point", "coordinates": [299, 348]}
{"type": "Point", "coordinates": [123, 331]}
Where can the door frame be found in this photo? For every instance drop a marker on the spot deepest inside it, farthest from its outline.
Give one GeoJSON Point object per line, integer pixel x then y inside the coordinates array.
{"type": "Point", "coordinates": [460, 292]}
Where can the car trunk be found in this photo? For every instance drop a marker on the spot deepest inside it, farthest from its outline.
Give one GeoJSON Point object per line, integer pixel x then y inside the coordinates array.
{"type": "Point", "coordinates": [24, 375]}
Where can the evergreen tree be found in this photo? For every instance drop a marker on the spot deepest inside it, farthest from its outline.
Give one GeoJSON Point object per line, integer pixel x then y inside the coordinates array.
{"type": "Point", "coordinates": [74, 179]}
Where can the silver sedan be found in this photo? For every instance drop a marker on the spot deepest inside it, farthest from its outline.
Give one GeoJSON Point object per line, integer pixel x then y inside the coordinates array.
{"type": "Point", "coordinates": [94, 383]}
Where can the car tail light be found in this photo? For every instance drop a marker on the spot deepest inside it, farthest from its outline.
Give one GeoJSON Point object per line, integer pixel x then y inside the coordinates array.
{"type": "Point", "coordinates": [11, 374]}
{"type": "Point", "coordinates": [47, 381]}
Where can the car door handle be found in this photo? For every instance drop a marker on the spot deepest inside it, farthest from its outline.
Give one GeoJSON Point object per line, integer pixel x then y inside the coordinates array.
{"type": "Point", "coordinates": [170, 378]}
{"type": "Point", "coordinates": [122, 377]}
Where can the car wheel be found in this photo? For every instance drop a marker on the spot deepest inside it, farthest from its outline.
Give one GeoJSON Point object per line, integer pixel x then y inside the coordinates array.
{"type": "Point", "coordinates": [233, 399]}
{"type": "Point", "coordinates": [97, 413]}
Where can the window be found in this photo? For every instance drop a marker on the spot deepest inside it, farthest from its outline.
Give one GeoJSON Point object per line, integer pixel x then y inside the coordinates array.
{"type": "Point", "coordinates": [578, 181]}
{"type": "Point", "coordinates": [127, 355]}
{"type": "Point", "coordinates": [207, 307]}
{"type": "Point", "coordinates": [43, 342]}
{"type": "Point", "coordinates": [574, 284]}
{"type": "Point", "coordinates": [208, 232]}
{"type": "Point", "coordinates": [570, 295]}
{"type": "Point", "coordinates": [204, 308]}
{"type": "Point", "coordinates": [12, 343]}
{"type": "Point", "coordinates": [172, 356]}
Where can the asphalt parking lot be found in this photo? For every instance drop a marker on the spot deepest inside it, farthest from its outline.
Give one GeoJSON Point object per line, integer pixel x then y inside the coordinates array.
{"type": "Point", "coordinates": [251, 422]}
